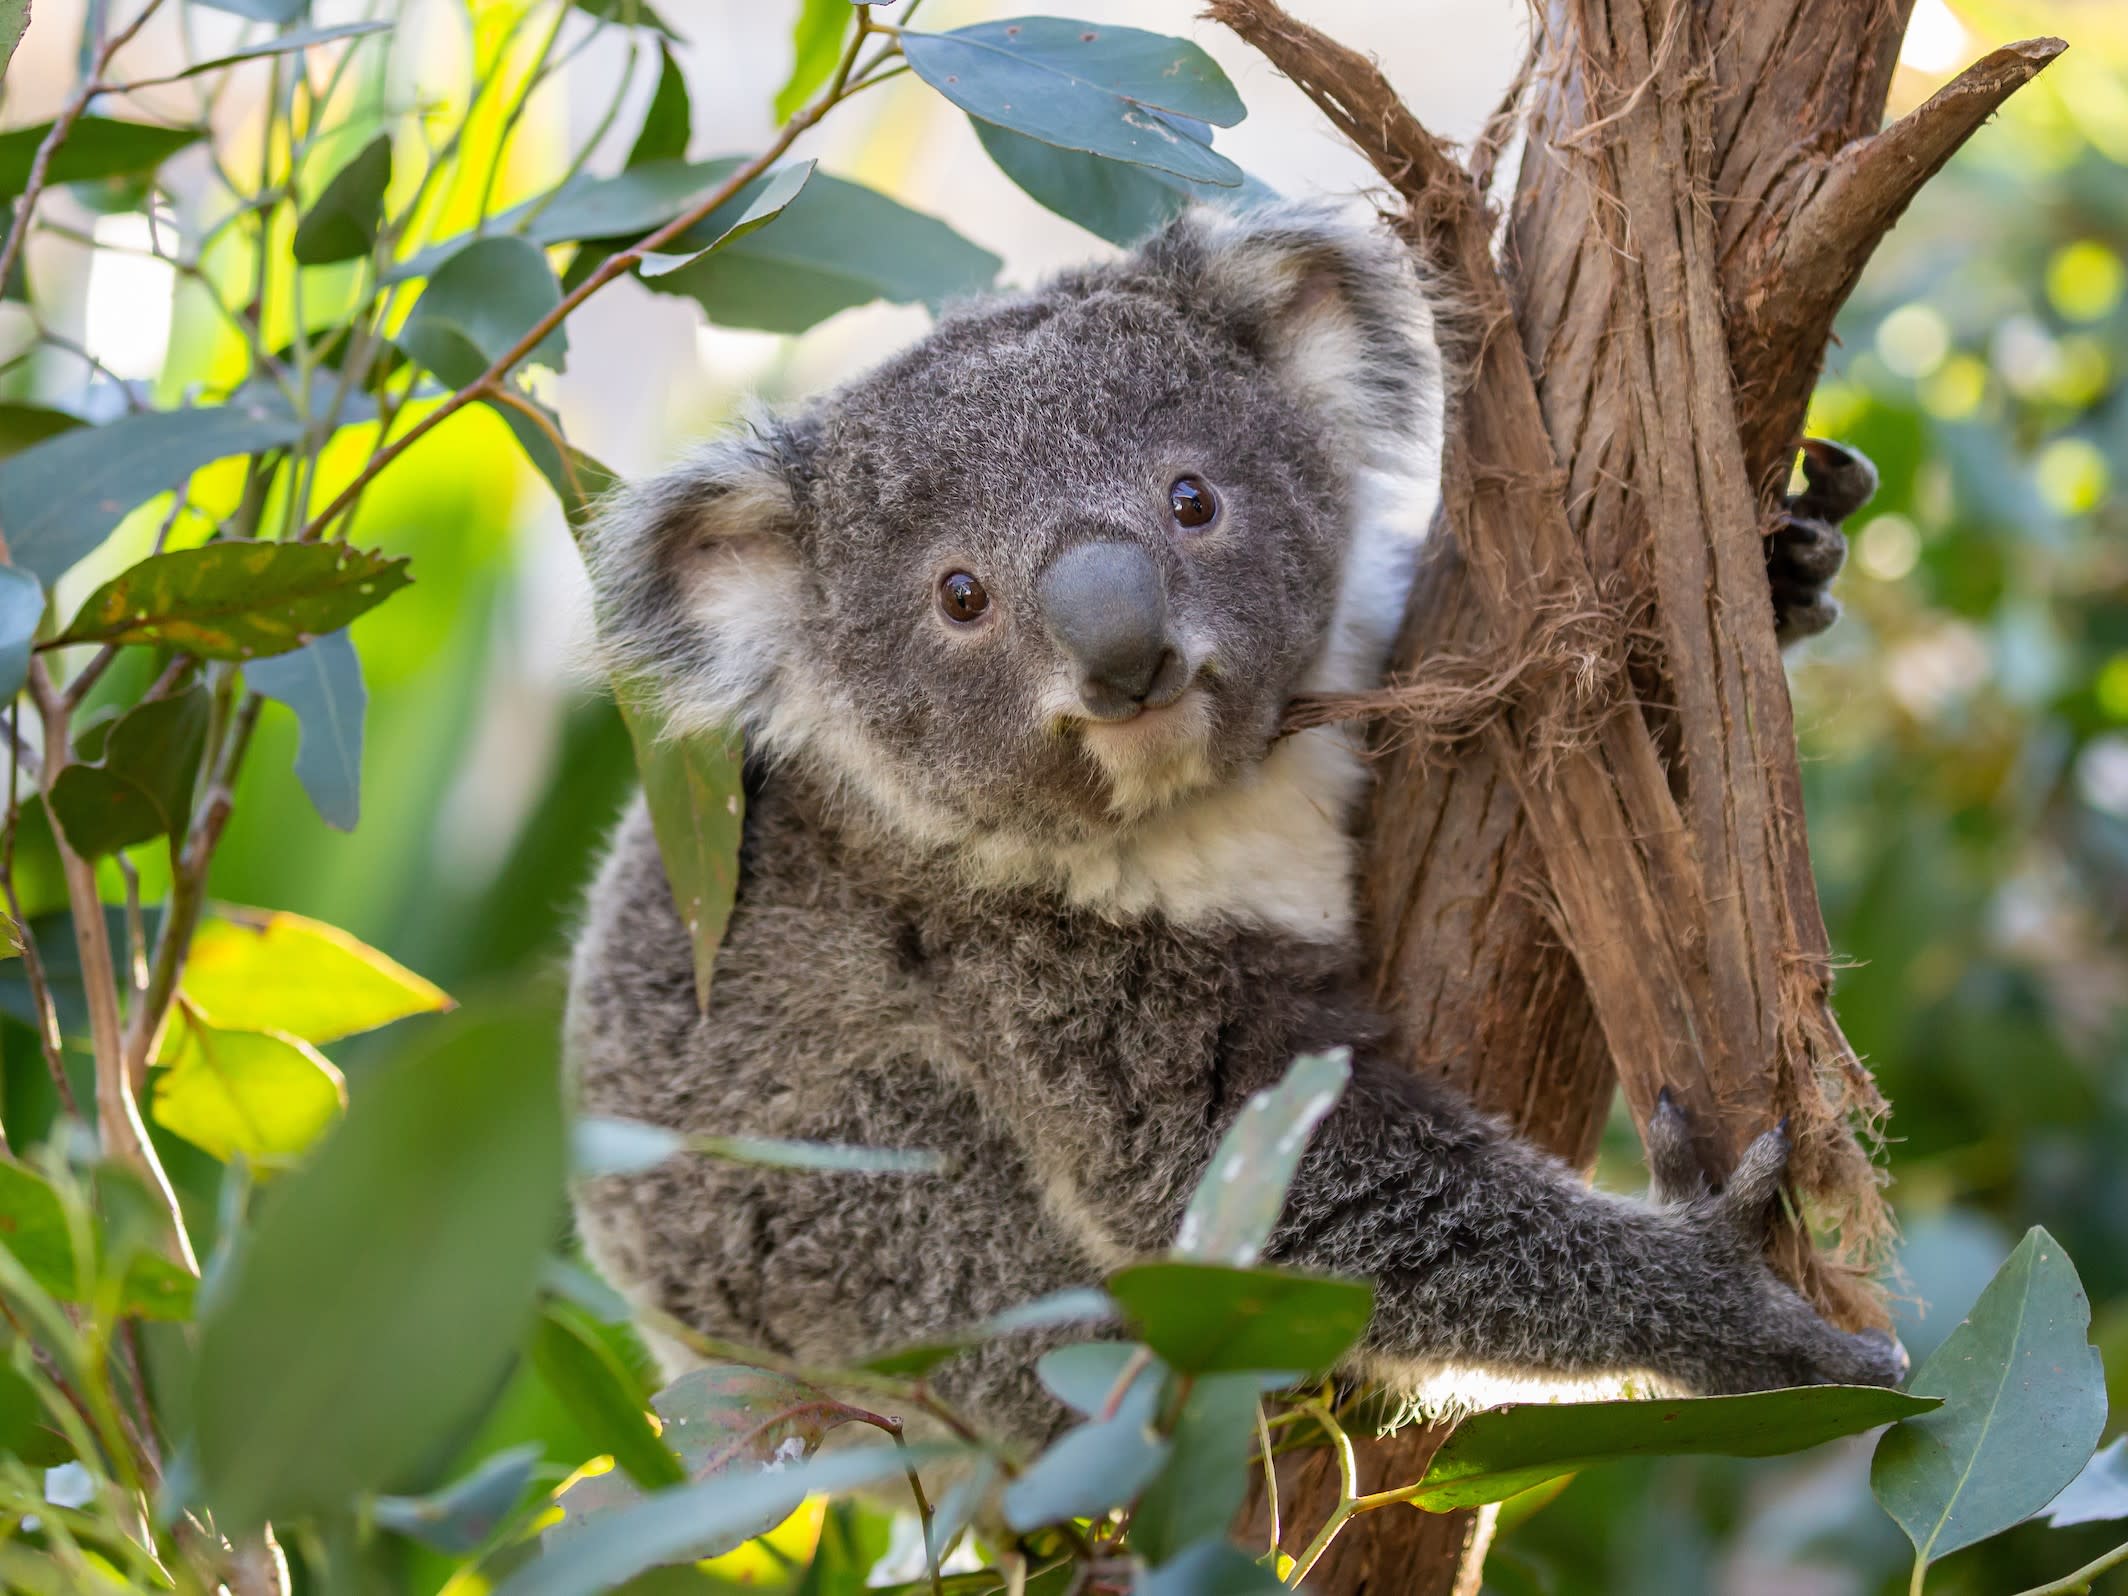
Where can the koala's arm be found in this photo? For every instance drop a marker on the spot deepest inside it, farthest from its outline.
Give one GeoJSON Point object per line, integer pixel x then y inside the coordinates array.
{"type": "Point", "coordinates": [1484, 1251]}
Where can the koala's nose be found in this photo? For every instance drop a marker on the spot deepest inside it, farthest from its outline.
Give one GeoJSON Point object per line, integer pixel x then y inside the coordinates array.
{"type": "Point", "coordinates": [1106, 606]}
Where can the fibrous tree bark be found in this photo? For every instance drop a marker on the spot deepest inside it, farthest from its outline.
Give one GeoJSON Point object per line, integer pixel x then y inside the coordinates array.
{"type": "Point", "coordinates": [1588, 863]}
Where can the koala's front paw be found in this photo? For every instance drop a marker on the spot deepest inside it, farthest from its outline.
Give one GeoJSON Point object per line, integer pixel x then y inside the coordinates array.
{"type": "Point", "coordinates": [1756, 1333]}
{"type": "Point", "coordinates": [1807, 548]}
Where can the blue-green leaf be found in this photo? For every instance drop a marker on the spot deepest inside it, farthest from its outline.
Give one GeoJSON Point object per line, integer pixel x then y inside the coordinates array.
{"type": "Point", "coordinates": [2024, 1400]}
{"type": "Point", "coordinates": [1082, 1306]}
{"type": "Point", "coordinates": [322, 683]}
{"type": "Point", "coordinates": [1210, 1568]}
{"type": "Point", "coordinates": [277, 11]}
{"type": "Point", "coordinates": [767, 204]}
{"type": "Point", "coordinates": [2099, 1493]}
{"type": "Point", "coordinates": [1090, 1470]}
{"type": "Point", "coordinates": [668, 123]}
{"type": "Point", "coordinates": [1237, 1203]}
{"type": "Point", "coordinates": [140, 787]}
{"type": "Point", "coordinates": [21, 609]}
{"type": "Point", "coordinates": [479, 304]}
{"type": "Point", "coordinates": [461, 1517]}
{"type": "Point", "coordinates": [96, 147]}
{"type": "Point", "coordinates": [341, 223]}
{"type": "Point", "coordinates": [1115, 200]}
{"type": "Point", "coordinates": [1198, 1492]}
{"type": "Point", "coordinates": [283, 44]}
{"type": "Point", "coordinates": [1088, 87]}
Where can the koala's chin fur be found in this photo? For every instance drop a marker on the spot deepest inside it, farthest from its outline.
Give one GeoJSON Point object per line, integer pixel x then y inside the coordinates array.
{"type": "Point", "coordinates": [991, 906]}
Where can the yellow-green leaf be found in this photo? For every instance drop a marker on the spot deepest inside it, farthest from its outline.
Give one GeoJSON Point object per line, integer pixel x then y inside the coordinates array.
{"type": "Point", "coordinates": [269, 970]}
{"type": "Point", "coordinates": [263, 1094]}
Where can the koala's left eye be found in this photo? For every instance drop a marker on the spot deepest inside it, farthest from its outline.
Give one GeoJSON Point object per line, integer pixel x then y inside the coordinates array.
{"type": "Point", "coordinates": [1192, 503]}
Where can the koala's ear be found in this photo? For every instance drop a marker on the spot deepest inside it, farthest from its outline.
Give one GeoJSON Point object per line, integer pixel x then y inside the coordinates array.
{"type": "Point", "coordinates": [696, 579]}
{"type": "Point", "coordinates": [1335, 306]}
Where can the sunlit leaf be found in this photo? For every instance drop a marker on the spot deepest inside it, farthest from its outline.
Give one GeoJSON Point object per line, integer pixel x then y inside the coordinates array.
{"type": "Point", "coordinates": [341, 223]}
{"type": "Point", "coordinates": [1092, 1469]}
{"type": "Point", "coordinates": [383, 1291]}
{"type": "Point", "coordinates": [60, 498]}
{"type": "Point", "coordinates": [661, 1529]}
{"type": "Point", "coordinates": [263, 1095]}
{"type": "Point", "coordinates": [725, 1421]}
{"type": "Point", "coordinates": [607, 1402]}
{"type": "Point", "coordinates": [95, 148]}
{"type": "Point", "coordinates": [1083, 1306]}
{"type": "Point", "coordinates": [33, 1229]}
{"type": "Point", "coordinates": [781, 188]}
{"type": "Point", "coordinates": [2024, 1400]}
{"type": "Point", "coordinates": [477, 307]}
{"type": "Point", "coordinates": [1236, 1205]}
{"type": "Point", "coordinates": [1208, 1318]}
{"type": "Point", "coordinates": [322, 683]}
{"type": "Point", "coordinates": [2099, 1493]}
{"type": "Point", "coordinates": [1498, 1453]}
{"type": "Point", "coordinates": [236, 599]}
{"type": "Point", "coordinates": [270, 970]}
{"type": "Point", "coordinates": [21, 609]}
{"type": "Point", "coordinates": [668, 123]}
{"type": "Point", "coordinates": [1086, 87]}
{"type": "Point", "coordinates": [284, 44]}
{"type": "Point", "coordinates": [816, 45]}
{"type": "Point", "coordinates": [464, 1515]}
{"type": "Point", "coordinates": [140, 788]}
{"type": "Point", "coordinates": [698, 811]}
{"type": "Point", "coordinates": [1116, 200]}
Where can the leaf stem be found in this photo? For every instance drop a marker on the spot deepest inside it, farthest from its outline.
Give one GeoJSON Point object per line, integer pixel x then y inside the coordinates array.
{"type": "Point", "coordinates": [2082, 1580]}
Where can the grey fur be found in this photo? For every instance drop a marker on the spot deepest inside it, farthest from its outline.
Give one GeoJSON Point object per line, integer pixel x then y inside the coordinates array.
{"type": "Point", "coordinates": [963, 925]}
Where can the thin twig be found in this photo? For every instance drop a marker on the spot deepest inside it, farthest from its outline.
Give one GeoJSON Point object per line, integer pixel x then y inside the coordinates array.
{"type": "Point", "coordinates": [2082, 1580]}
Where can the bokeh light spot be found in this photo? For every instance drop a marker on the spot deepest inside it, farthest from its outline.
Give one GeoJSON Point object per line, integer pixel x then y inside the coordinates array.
{"type": "Point", "coordinates": [1888, 548]}
{"type": "Point", "coordinates": [2073, 475]}
{"type": "Point", "coordinates": [1913, 340]}
{"type": "Point", "coordinates": [2085, 280]}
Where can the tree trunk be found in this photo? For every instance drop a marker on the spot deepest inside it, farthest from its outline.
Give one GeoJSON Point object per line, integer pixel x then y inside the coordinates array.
{"type": "Point", "coordinates": [1588, 862]}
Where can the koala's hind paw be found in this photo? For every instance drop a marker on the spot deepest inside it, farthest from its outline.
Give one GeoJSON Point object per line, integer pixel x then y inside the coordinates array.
{"type": "Point", "coordinates": [1744, 1207]}
{"type": "Point", "coordinates": [1806, 549]}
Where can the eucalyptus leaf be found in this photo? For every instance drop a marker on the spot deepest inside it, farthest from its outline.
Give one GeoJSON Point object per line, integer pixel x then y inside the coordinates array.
{"type": "Point", "coordinates": [577, 479]}
{"type": "Point", "coordinates": [21, 611]}
{"type": "Point", "coordinates": [342, 222]}
{"type": "Point", "coordinates": [283, 44]}
{"type": "Point", "coordinates": [774, 1152]}
{"type": "Point", "coordinates": [272, 970]}
{"type": "Point", "coordinates": [1083, 86]}
{"type": "Point", "coordinates": [582, 1373]}
{"type": "Point", "coordinates": [14, 22]}
{"type": "Point", "coordinates": [769, 203]}
{"type": "Point", "coordinates": [236, 599]}
{"type": "Point", "coordinates": [322, 683]}
{"type": "Point", "coordinates": [1115, 200]}
{"type": "Point", "coordinates": [1210, 1318]}
{"type": "Point", "coordinates": [140, 788]}
{"type": "Point", "coordinates": [2024, 1401]}
{"type": "Point", "coordinates": [34, 1231]}
{"type": "Point", "coordinates": [628, 13]}
{"type": "Point", "coordinates": [62, 497]}
{"type": "Point", "coordinates": [27, 1430]}
{"type": "Point", "coordinates": [668, 122]}
{"type": "Point", "coordinates": [601, 1146]}
{"type": "Point", "coordinates": [380, 1296]}
{"type": "Point", "coordinates": [698, 811]}
{"type": "Point", "coordinates": [22, 425]}
{"type": "Point", "coordinates": [2099, 1493]}
{"type": "Point", "coordinates": [1210, 1568]}
{"type": "Point", "coordinates": [464, 1515]}
{"type": "Point", "coordinates": [1236, 1205]}
{"type": "Point", "coordinates": [1200, 1488]}
{"type": "Point", "coordinates": [1082, 1306]}
{"type": "Point", "coordinates": [478, 306]}
{"type": "Point", "coordinates": [260, 1095]}
{"type": "Point", "coordinates": [1083, 1376]}
{"type": "Point", "coordinates": [816, 45]}
{"type": "Point", "coordinates": [1090, 1470]}
{"type": "Point", "coordinates": [1493, 1455]}
{"type": "Point", "coordinates": [95, 148]}
{"type": "Point", "coordinates": [276, 11]}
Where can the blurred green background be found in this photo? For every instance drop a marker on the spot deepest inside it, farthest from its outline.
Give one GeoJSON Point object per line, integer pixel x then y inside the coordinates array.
{"type": "Point", "coordinates": [1965, 730]}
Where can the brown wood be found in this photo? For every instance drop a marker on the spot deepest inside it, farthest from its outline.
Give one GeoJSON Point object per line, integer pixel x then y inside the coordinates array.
{"type": "Point", "coordinates": [1587, 853]}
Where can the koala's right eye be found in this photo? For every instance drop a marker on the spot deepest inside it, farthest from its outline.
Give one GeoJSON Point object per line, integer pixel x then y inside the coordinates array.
{"type": "Point", "coordinates": [962, 597]}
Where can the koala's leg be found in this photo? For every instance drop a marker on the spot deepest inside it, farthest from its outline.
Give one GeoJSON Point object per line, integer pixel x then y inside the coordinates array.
{"type": "Point", "coordinates": [1806, 548]}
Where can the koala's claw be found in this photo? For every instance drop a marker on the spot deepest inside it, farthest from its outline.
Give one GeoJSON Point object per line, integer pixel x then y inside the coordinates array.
{"type": "Point", "coordinates": [1806, 548]}
{"type": "Point", "coordinates": [1754, 1186]}
{"type": "Point", "coordinates": [1837, 481]}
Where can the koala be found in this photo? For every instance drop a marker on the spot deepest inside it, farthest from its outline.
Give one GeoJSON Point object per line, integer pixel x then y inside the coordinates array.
{"type": "Point", "coordinates": [1030, 875]}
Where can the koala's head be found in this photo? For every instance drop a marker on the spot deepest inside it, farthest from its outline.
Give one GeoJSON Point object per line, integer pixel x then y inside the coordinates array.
{"type": "Point", "coordinates": [1061, 564]}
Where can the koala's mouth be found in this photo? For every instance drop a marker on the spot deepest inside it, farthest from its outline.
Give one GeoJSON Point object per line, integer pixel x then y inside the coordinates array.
{"type": "Point", "coordinates": [1154, 757]}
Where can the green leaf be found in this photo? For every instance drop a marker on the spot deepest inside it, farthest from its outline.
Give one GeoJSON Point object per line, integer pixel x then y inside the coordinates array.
{"type": "Point", "coordinates": [141, 787]}
{"type": "Point", "coordinates": [1114, 200]}
{"type": "Point", "coordinates": [95, 148]}
{"type": "Point", "coordinates": [282, 44]}
{"type": "Point", "coordinates": [577, 479]}
{"type": "Point", "coordinates": [621, 208]}
{"type": "Point", "coordinates": [816, 45]}
{"type": "Point", "coordinates": [261, 1094]}
{"type": "Point", "coordinates": [698, 812]}
{"type": "Point", "coordinates": [1090, 1470]}
{"type": "Point", "coordinates": [668, 123]}
{"type": "Point", "coordinates": [34, 1230]}
{"type": "Point", "coordinates": [2024, 1400]}
{"type": "Point", "coordinates": [608, 1404]}
{"type": "Point", "coordinates": [478, 305]}
{"type": "Point", "coordinates": [726, 1421]}
{"type": "Point", "coordinates": [26, 1428]}
{"type": "Point", "coordinates": [60, 498]}
{"type": "Point", "coordinates": [1083, 1375]}
{"type": "Point", "coordinates": [1197, 1494]}
{"type": "Point", "coordinates": [769, 203]}
{"type": "Point", "coordinates": [662, 1528]}
{"type": "Point", "coordinates": [628, 13]}
{"type": "Point", "coordinates": [276, 11]}
{"type": "Point", "coordinates": [22, 425]}
{"type": "Point", "coordinates": [384, 1289]}
{"type": "Point", "coordinates": [237, 599]}
{"type": "Point", "coordinates": [1085, 87]}
{"type": "Point", "coordinates": [342, 221]}
{"type": "Point", "coordinates": [1208, 1318]}
{"type": "Point", "coordinates": [771, 1152]}
{"type": "Point", "coordinates": [462, 1517]}
{"type": "Point", "coordinates": [270, 970]}
{"type": "Point", "coordinates": [21, 610]}
{"type": "Point", "coordinates": [837, 245]}
{"type": "Point", "coordinates": [1496, 1454]}
{"type": "Point", "coordinates": [1210, 1568]}
{"type": "Point", "coordinates": [1236, 1205]}
{"type": "Point", "coordinates": [322, 683]}
{"type": "Point", "coordinates": [2099, 1493]}
{"type": "Point", "coordinates": [1084, 1306]}
{"type": "Point", "coordinates": [14, 22]}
